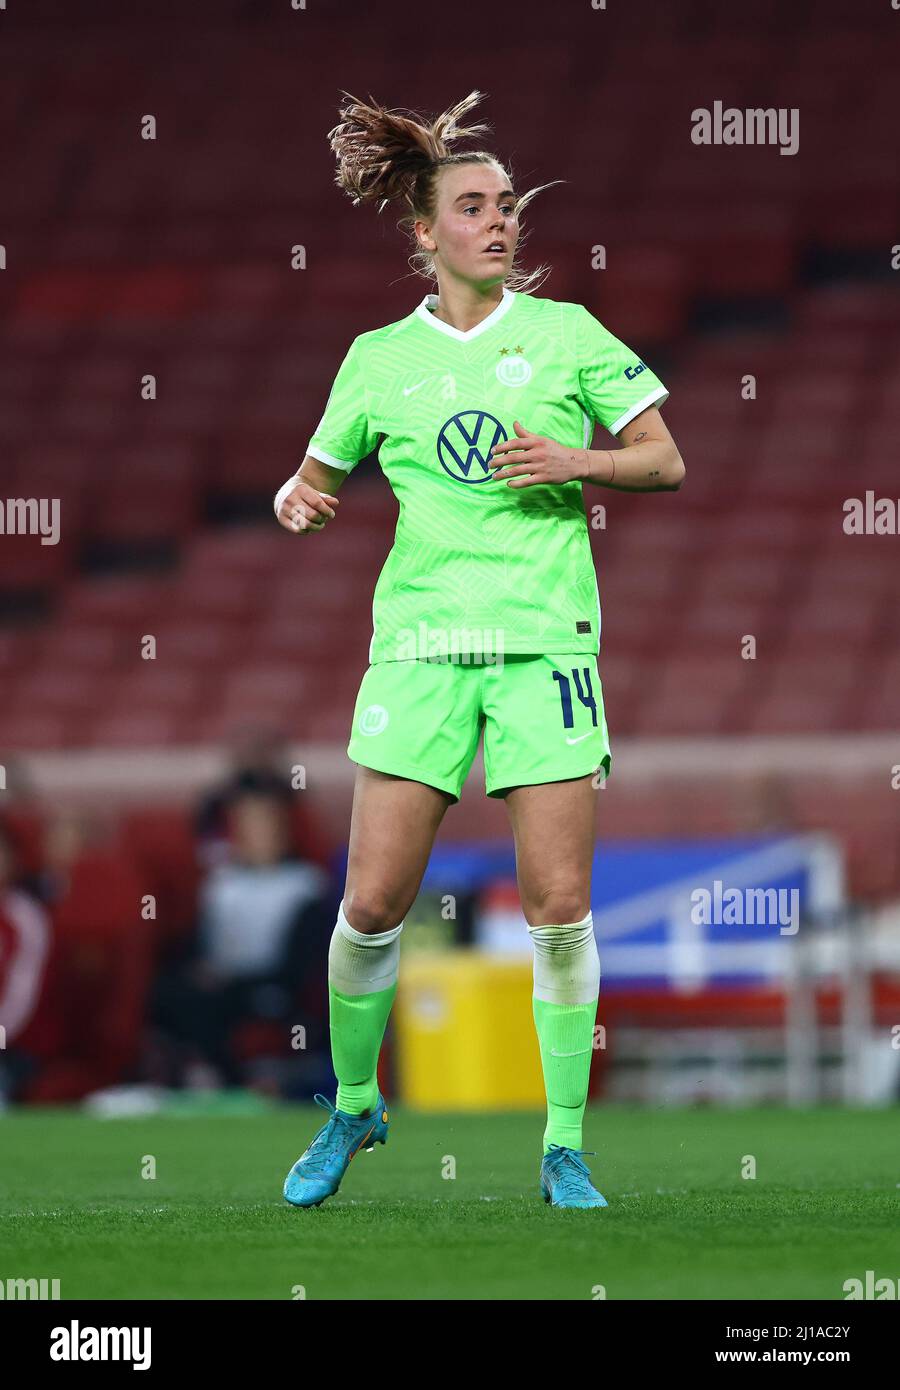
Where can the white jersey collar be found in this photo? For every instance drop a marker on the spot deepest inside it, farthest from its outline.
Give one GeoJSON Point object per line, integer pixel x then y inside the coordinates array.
{"type": "Point", "coordinates": [424, 310]}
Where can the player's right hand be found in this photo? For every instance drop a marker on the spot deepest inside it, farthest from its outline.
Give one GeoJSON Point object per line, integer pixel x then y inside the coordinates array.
{"type": "Point", "coordinates": [306, 509]}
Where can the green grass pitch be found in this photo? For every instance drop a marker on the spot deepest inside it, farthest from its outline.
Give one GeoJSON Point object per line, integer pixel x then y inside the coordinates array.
{"type": "Point", "coordinates": [682, 1221]}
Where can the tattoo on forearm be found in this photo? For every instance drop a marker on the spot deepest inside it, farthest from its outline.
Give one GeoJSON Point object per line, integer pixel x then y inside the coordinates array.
{"type": "Point", "coordinates": [654, 473]}
{"type": "Point", "coordinates": [638, 437]}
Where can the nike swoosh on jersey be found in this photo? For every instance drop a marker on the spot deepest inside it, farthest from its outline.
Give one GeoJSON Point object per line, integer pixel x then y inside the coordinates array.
{"type": "Point", "coordinates": [408, 390]}
{"type": "Point", "coordinates": [580, 738]}
{"type": "Point", "coordinates": [579, 1053]}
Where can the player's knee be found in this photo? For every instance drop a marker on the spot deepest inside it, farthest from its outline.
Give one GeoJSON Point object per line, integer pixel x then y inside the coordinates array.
{"type": "Point", "coordinates": [369, 911]}
{"type": "Point", "coordinates": [557, 907]}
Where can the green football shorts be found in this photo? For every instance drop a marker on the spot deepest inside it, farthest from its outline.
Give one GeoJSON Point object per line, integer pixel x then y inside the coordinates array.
{"type": "Point", "coordinates": [542, 717]}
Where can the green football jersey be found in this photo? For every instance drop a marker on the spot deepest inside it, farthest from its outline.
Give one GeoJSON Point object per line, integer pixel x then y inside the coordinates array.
{"type": "Point", "coordinates": [478, 568]}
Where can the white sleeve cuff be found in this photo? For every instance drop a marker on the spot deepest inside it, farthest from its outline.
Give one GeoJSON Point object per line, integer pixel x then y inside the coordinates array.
{"type": "Point", "coordinates": [321, 455]}
{"type": "Point", "coordinates": [657, 397]}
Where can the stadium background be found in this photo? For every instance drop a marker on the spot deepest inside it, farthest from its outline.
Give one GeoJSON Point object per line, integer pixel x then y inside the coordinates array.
{"type": "Point", "coordinates": [129, 781]}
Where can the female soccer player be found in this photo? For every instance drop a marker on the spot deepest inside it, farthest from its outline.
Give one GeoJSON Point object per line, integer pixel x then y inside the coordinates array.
{"type": "Point", "coordinates": [486, 613]}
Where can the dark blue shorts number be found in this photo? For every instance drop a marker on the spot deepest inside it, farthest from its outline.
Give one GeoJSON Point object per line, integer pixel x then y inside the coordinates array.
{"type": "Point", "coordinates": [585, 694]}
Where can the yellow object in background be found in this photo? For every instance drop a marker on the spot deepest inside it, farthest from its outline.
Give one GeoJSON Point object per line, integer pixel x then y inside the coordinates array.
{"type": "Point", "coordinates": [464, 1032]}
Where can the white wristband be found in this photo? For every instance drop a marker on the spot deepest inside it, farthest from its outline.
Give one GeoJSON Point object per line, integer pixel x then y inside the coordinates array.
{"type": "Point", "coordinates": [283, 492]}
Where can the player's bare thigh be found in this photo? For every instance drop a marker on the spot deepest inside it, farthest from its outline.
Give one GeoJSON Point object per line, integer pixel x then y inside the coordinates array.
{"type": "Point", "coordinates": [554, 829]}
{"type": "Point", "coordinates": [392, 829]}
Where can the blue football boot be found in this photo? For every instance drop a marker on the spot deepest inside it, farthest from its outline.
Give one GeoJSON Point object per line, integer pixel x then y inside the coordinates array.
{"type": "Point", "coordinates": [318, 1172]}
{"type": "Point", "coordinates": [566, 1180]}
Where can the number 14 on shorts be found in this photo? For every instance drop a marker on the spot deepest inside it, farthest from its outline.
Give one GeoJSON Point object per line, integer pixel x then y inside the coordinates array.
{"type": "Point", "coordinates": [581, 679]}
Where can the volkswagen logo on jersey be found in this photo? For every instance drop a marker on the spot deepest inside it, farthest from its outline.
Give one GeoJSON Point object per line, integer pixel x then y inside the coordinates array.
{"type": "Point", "coordinates": [464, 445]}
{"type": "Point", "coordinates": [513, 371]}
{"type": "Point", "coordinates": [373, 720]}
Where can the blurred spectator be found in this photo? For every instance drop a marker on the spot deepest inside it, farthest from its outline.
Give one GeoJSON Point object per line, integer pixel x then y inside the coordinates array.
{"type": "Point", "coordinates": [25, 939]}
{"type": "Point", "coordinates": [763, 806]}
{"type": "Point", "coordinates": [260, 762]}
{"type": "Point", "coordinates": [253, 969]}
{"type": "Point", "coordinates": [90, 1014]}
{"type": "Point", "coordinates": [17, 785]}
{"type": "Point", "coordinates": [22, 816]}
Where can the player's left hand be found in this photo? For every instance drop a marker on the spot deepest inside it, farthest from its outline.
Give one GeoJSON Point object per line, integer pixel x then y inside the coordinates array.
{"type": "Point", "coordinates": [530, 459]}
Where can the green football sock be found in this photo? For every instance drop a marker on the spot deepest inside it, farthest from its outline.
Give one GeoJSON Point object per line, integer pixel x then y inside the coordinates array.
{"type": "Point", "coordinates": [566, 988]}
{"type": "Point", "coordinates": [566, 1037]}
{"type": "Point", "coordinates": [362, 982]}
{"type": "Point", "coordinates": [357, 1024]}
